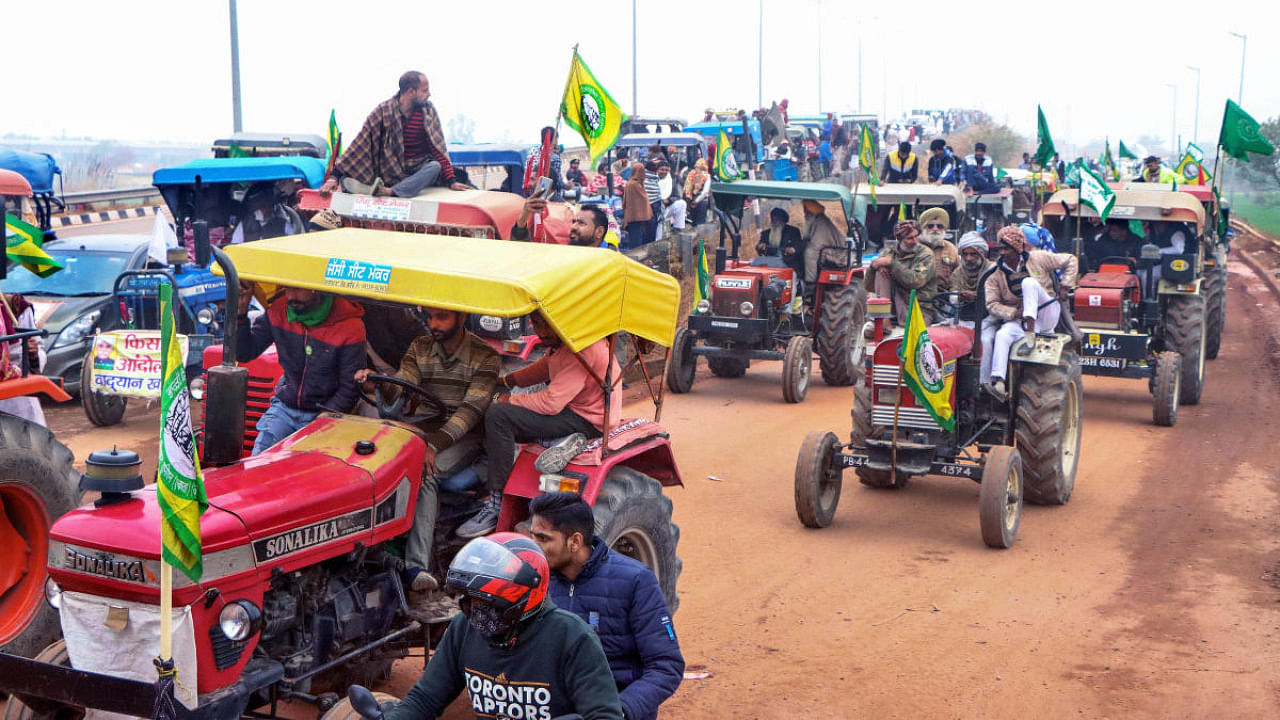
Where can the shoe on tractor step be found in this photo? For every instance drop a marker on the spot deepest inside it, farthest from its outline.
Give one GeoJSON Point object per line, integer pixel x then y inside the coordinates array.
{"type": "Point", "coordinates": [355, 187]}
{"type": "Point", "coordinates": [555, 458]}
{"type": "Point", "coordinates": [433, 607]}
{"type": "Point", "coordinates": [420, 581]}
{"type": "Point", "coordinates": [376, 186]}
{"type": "Point", "coordinates": [995, 388]}
{"type": "Point", "coordinates": [483, 522]}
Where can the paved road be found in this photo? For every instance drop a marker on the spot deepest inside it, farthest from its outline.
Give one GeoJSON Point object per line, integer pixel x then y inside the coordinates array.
{"type": "Point", "coordinates": [139, 226]}
{"type": "Point", "coordinates": [1154, 593]}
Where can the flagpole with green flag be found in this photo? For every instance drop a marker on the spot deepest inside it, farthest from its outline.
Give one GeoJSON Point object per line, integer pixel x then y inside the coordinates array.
{"type": "Point", "coordinates": [589, 109]}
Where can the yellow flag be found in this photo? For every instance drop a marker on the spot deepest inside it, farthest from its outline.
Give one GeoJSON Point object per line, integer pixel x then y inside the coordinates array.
{"type": "Point", "coordinates": [922, 369]}
{"type": "Point", "coordinates": [588, 108]}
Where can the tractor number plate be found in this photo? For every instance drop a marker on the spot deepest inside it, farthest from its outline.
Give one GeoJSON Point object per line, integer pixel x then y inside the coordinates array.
{"type": "Point", "coordinates": [853, 461]}
{"type": "Point", "coordinates": [956, 470]}
{"type": "Point", "coordinates": [1113, 348]}
{"type": "Point", "coordinates": [733, 283]}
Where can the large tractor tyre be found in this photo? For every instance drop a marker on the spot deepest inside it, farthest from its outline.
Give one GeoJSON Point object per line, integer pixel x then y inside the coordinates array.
{"type": "Point", "coordinates": [728, 367]}
{"type": "Point", "coordinates": [102, 410]}
{"type": "Point", "coordinates": [1184, 317]}
{"type": "Point", "coordinates": [1215, 284]}
{"type": "Point", "coordinates": [54, 654]}
{"type": "Point", "coordinates": [1165, 388]}
{"type": "Point", "coordinates": [1050, 416]}
{"type": "Point", "coordinates": [1000, 498]}
{"type": "Point", "coordinates": [797, 365]}
{"type": "Point", "coordinates": [37, 486]}
{"type": "Point", "coordinates": [343, 710]}
{"type": "Point", "coordinates": [634, 518]}
{"type": "Point", "coordinates": [683, 364]}
{"type": "Point", "coordinates": [863, 429]}
{"type": "Point", "coordinates": [839, 339]}
{"type": "Point", "coordinates": [818, 480]}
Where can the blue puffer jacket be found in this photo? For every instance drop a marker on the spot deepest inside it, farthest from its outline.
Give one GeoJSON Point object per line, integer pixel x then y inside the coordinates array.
{"type": "Point", "coordinates": [620, 599]}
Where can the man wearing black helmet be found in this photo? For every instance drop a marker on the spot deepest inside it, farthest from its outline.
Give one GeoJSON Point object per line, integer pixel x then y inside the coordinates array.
{"type": "Point", "coordinates": [515, 653]}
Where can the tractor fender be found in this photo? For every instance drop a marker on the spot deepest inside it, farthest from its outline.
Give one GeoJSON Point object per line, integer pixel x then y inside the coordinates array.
{"type": "Point", "coordinates": [652, 456]}
{"type": "Point", "coordinates": [1168, 288]}
{"type": "Point", "coordinates": [1045, 349]}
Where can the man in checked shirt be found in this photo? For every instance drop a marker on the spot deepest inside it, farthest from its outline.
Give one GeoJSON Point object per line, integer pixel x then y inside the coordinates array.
{"type": "Point", "coordinates": [461, 371]}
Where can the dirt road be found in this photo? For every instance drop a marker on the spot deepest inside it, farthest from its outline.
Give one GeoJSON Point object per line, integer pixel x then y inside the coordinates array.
{"type": "Point", "coordinates": [1155, 593]}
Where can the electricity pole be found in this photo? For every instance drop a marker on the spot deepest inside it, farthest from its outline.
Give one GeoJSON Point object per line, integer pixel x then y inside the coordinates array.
{"type": "Point", "coordinates": [236, 124]}
{"type": "Point", "coordinates": [1195, 132]}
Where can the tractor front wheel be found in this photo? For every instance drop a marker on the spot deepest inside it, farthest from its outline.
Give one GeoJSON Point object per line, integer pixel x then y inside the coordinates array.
{"type": "Point", "coordinates": [818, 479]}
{"type": "Point", "coordinates": [343, 710]}
{"type": "Point", "coordinates": [101, 409]}
{"type": "Point", "coordinates": [634, 518]}
{"type": "Point", "coordinates": [1184, 317]}
{"type": "Point", "coordinates": [1000, 499]}
{"type": "Point", "coordinates": [53, 654]}
{"type": "Point", "coordinates": [1165, 388]}
{"type": "Point", "coordinates": [796, 367]}
{"type": "Point", "coordinates": [728, 367]}
{"type": "Point", "coordinates": [1050, 415]}
{"type": "Point", "coordinates": [839, 338]}
{"type": "Point", "coordinates": [37, 486]}
{"type": "Point", "coordinates": [683, 364]}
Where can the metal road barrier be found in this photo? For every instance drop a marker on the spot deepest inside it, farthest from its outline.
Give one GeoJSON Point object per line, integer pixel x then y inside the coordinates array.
{"type": "Point", "coordinates": [74, 200]}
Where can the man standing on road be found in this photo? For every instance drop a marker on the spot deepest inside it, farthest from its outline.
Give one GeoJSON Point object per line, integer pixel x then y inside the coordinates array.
{"type": "Point", "coordinates": [400, 150]}
{"type": "Point", "coordinates": [617, 596]}
{"type": "Point", "coordinates": [461, 372]}
{"type": "Point", "coordinates": [907, 265]}
{"type": "Point", "coordinates": [1021, 298]}
{"type": "Point", "coordinates": [319, 339]}
{"type": "Point", "coordinates": [572, 406]}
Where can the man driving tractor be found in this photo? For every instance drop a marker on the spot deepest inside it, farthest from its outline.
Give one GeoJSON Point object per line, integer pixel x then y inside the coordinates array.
{"type": "Point", "coordinates": [460, 371]}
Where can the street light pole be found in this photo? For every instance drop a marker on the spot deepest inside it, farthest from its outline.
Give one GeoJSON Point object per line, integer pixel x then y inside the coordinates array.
{"type": "Point", "coordinates": [236, 124]}
{"type": "Point", "coordinates": [1244, 45]}
{"type": "Point", "coordinates": [1173, 130]}
{"type": "Point", "coordinates": [635, 103]}
{"type": "Point", "coordinates": [1195, 132]}
{"type": "Point", "coordinates": [760, 58]}
{"type": "Point", "coordinates": [820, 108]}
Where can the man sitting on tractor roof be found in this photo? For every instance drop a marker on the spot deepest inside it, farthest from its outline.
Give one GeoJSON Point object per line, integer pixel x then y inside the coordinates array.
{"type": "Point", "coordinates": [461, 371]}
{"type": "Point", "coordinates": [319, 339]}
{"type": "Point", "coordinates": [572, 406]}
{"type": "Point", "coordinates": [979, 172]}
{"type": "Point", "coordinates": [1153, 171]}
{"type": "Point", "coordinates": [905, 266]}
{"type": "Point", "coordinates": [1022, 296]}
{"type": "Point", "coordinates": [400, 150]}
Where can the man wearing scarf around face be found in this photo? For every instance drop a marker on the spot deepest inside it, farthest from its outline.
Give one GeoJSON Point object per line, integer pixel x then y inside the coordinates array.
{"type": "Point", "coordinates": [967, 279]}
{"type": "Point", "coordinates": [908, 265]}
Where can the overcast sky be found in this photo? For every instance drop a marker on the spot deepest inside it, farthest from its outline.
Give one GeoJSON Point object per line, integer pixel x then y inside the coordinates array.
{"type": "Point", "coordinates": [160, 69]}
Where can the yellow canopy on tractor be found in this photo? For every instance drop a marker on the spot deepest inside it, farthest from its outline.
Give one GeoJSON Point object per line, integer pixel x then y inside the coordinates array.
{"type": "Point", "coordinates": [585, 293]}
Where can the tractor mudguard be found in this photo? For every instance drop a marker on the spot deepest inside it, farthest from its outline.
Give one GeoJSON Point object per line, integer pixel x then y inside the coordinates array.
{"type": "Point", "coordinates": [1045, 349]}
{"type": "Point", "coordinates": [1169, 288]}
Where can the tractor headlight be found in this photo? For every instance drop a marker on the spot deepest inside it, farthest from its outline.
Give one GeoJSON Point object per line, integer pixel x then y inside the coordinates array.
{"type": "Point", "coordinates": [196, 388]}
{"type": "Point", "coordinates": [746, 308]}
{"type": "Point", "coordinates": [206, 316]}
{"type": "Point", "coordinates": [490, 323]}
{"type": "Point", "coordinates": [52, 594]}
{"type": "Point", "coordinates": [704, 306]}
{"type": "Point", "coordinates": [76, 331]}
{"type": "Point", "coordinates": [240, 619]}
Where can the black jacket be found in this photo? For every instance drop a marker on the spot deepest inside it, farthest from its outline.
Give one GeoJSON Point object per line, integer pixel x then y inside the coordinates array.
{"type": "Point", "coordinates": [791, 238]}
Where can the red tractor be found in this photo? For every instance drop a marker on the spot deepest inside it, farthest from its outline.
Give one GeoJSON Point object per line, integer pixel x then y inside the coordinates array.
{"type": "Point", "coordinates": [751, 313]}
{"type": "Point", "coordinates": [302, 545]}
{"type": "Point", "coordinates": [1026, 447]}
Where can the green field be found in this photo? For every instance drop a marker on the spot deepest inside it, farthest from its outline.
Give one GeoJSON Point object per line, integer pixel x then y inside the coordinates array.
{"type": "Point", "coordinates": [1261, 210]}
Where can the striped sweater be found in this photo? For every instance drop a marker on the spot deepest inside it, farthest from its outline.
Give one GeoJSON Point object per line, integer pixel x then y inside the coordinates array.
{"type": "Point", "coordinates": [464, 382]}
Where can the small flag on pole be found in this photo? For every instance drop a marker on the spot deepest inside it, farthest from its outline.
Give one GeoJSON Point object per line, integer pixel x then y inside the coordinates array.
{"type": "Point", "coordinates": [23, 243]}
{"type": "Point", "coordinates": [1126, 153]}
{"type": "Point", "coordinates": [589, 109]}
{"type": "Point", "coordinates": [334, 137]}
{"type": "Point", "coordinates": [1241, 134]}
{"type": "Point", "coordinates": [1044, 141]}
{"type": "Point", "coordinates": [1095, 193]}
{"type": "Point", "coordinates": [867, 159]}
{"type": "Point", "coordinates": [702, 285]}
{"type": "Point", "coordinates": [726, 162]}
{"type": "Point", "coordinates": [922, 368]}
{"type": "Point", "coordinates": [180, 489]}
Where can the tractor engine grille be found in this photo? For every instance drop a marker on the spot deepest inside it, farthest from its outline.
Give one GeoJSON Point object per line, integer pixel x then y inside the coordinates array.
{"type": "Point", "coordinates": [728, 302]}
{"type": "Point", "coordinates": [886, 376]}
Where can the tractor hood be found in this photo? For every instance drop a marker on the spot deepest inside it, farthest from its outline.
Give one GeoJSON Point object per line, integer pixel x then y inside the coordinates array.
{"type": "Point", "coordinates": [950, 342]}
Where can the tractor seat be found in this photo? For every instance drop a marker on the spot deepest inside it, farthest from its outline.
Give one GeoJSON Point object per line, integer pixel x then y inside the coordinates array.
{"type": "Point", "coordinates": [628, 432]}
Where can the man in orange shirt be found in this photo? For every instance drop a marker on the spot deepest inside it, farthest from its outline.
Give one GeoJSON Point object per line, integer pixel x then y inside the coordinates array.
{"type": "Point", "coordinates": [572, 406]}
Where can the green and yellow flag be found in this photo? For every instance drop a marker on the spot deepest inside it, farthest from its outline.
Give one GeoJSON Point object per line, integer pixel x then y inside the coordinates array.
{"type": "Point", "coordinates": [1191, 170]}
{"type": "Point", "coordinates": [23, 244]}
{"type": "Point", "coordinates": [727, 169]}
{"type": "Point", "coordinates": [922, 368]}
{"type": "Point", "coordinates": [1241, 134]}
{"type": "Point", "coordinates": [702, 286]}
{"type": "Point", "coordinates": [867, 159]}
{"type": "Point", "coordinates": [180, 488]}
{"type": "Point", "coordinates": [589, 109]}
{"type": "Point", "coordinates": [1109, 163]}
{"type": "Point", "coordinates": [334, 137]}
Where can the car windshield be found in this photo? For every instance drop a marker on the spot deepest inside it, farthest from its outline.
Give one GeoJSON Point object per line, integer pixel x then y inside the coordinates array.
{"type": "Point", "coordinates": [85, 272]}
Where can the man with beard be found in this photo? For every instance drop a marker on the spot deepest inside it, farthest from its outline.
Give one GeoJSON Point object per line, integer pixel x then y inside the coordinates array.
{"type": "Point", "coordinates": [819, 234]}
{"type": "Point", "coordinates": [967, 279]}
{"type": "Point", "coordinates": [400, 150]}
{"type": "Point", "coordinates": [319, 339]}
{"type": "Point", "coordinates": [935, 222]}
{"type": "Point", "coordinates": [587, 229]}
{"type": "Point", "coordinates": [905, 266]}
{"type": "Point", "coordinates": [460, 371]}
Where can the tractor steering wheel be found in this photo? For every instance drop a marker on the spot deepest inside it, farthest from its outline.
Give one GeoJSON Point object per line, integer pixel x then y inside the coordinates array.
{"type": "Point", "coordinates": [394, 410]}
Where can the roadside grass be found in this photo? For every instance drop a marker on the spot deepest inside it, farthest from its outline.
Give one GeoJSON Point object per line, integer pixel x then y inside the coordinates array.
{"type": "Point", "coordinates": [1259, 209]}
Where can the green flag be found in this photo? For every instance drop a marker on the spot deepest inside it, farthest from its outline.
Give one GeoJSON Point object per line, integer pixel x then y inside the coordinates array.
{"type": "Point", "coordinates": [1126, 153]}
{"type": "Point", "coordinates": [235, 151]}
{"type": "Point", "coordinates": [726, 162]}
{"type": "Point", "coordinates": [1001, 174]}
{"type": "Point", "coordinates": [1240, 134]}
{"type": "Point", "coordinates": [702, 286]}
{"type": "Point", "coordinates": [1095, 193]}
{"type": "Point", "coordinates": [180, 488]}
{"type": "Point", "coordinates": [1044, 142]}
{"type": "Point", "coordinates": [334, 137]}
{"type": "Point", "coordinates": [590, 110]}
{"type": "Point", "coordinates": [23, 244]}
{"type": "Point", "coordinates": [1072, 176]}
{"type": "Point", "coordinates": [1109, 163]}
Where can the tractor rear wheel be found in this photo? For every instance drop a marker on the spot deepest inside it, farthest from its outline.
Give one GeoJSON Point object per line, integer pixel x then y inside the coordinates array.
{"type": "Point", "coordinates": [839, 338]}
{"type": "Point", "coordinates": [818, 481]}
{"type": "Point", "coordinates": [343, 710]}
{"type": "Point", "coordinates": [1215, 284]}
{"type": "Point", "coordinates": [1000, 499]}
{"type": "Point", "coordinates": [101, 409]}
{"type": "Point", "coordinates": [728, 367]}
{"type": "Point", "coordinates": [37, 486]}
{"type": "Point", "coordinates": [1050, 415]}
{"type": "Point", "coordinates": [683, 364]}
{"type": "Point", "coordinates": [796, 368]}
{"type": "Point", "coordinates": [1184, 317]}
{"type": "Point", "coordinates": [1165, 388]}
{"type": "Point", "coordinates": [863, 428]}
{"type": "Point", "coordinates": [634, 518]}
{"type": "Point", "coordinates": [54, 654]}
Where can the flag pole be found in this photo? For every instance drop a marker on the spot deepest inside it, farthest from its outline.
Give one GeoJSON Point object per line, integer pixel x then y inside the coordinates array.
{"type": "Point", "coordinates": [166, 609]}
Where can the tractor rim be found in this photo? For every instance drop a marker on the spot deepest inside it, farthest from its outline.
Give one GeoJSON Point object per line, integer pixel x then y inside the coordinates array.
{"type": "Point", "coordinates": [22, 514]}
{"type": "Point", "coordinates": [1012, 497]}
{"type": "Point", "coordinates": [828, 483]}
{"type": "Point", "coordinates": [636, 544]}
{"type": "Point", "coordinates": [806, 366]}
{"type": "Point", "coordinates": [1071, 430]}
